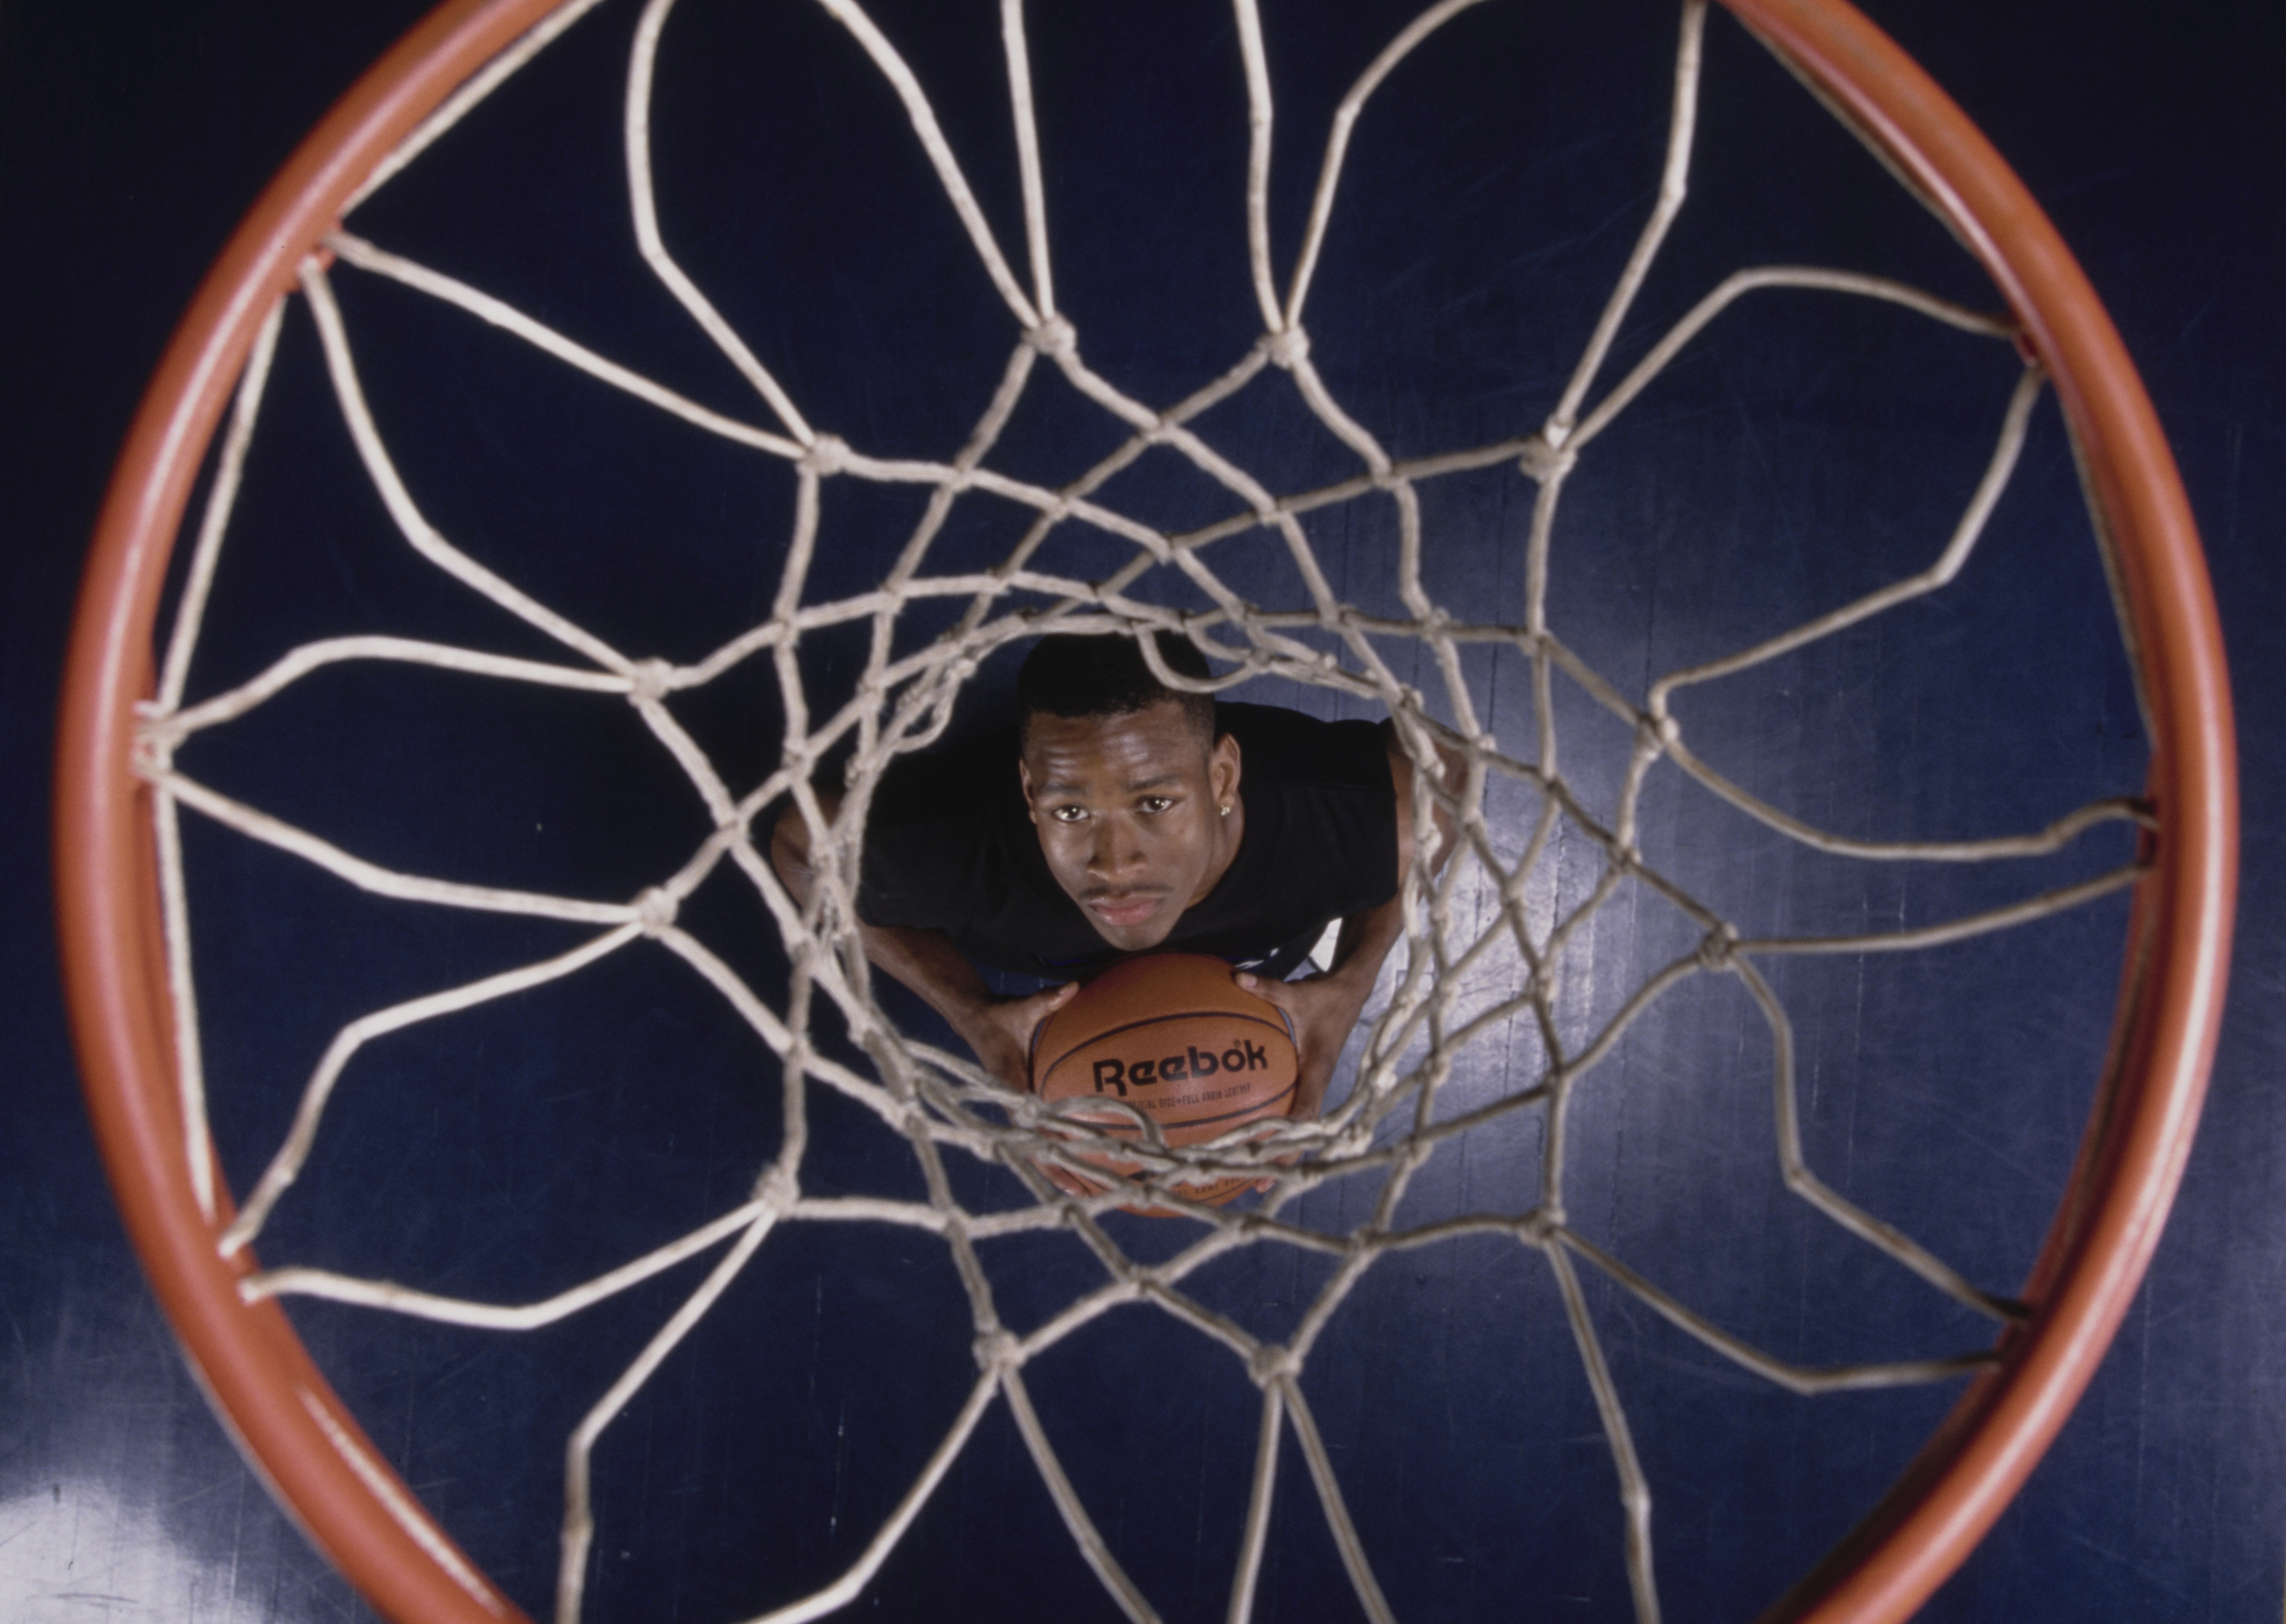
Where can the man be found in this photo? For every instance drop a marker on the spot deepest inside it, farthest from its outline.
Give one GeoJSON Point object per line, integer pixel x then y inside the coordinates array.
{"type": "Point", "coordinates": [1120, 817]}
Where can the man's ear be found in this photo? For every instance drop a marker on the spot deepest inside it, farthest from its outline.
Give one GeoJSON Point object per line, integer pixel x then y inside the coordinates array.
{"type": "Point", "coordinates": [1024, 777]}
{"type": "Point", "coordinates": [1224, 769]}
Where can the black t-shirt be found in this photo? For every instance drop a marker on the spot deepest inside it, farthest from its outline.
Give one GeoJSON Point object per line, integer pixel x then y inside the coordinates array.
{"type": "Point", "coordinates": [949, 846]}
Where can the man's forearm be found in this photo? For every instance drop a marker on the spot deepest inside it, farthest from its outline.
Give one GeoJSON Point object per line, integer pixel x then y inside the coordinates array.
{"type": "Point", "coordinates": [998, 1029]}
{"type": "Point", "coordinates": [926, 961]}
{"type": "Point", "coordinates": [1363, 943]}
{"type": "Point", "coordinates": [1325, 1008]}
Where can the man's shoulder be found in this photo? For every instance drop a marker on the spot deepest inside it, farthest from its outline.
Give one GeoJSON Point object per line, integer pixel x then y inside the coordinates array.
{"type": "Point", "coordinates": [1320, 839]}
{"type": "Point", "coordinates": [941, 847]}
{"type": "Point", "coordinates": [959, 782]}
{"type": "Point", "coordinates": [1303, 749]}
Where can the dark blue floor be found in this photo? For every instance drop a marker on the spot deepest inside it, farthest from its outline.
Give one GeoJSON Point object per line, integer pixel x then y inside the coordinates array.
{"type": "Point", "coordinates": [131, 140]}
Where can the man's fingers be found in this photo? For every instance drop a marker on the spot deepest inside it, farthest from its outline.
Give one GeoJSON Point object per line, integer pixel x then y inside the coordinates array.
{"type": "Point", "coordinates": [1269, 991]}
{"type": "Point", "coordinates": [1033, 1010]}
{"type": "Point", "coordinates": [1020, 1019]}
{"type": "Point", "coordinates": [1024, 1013]}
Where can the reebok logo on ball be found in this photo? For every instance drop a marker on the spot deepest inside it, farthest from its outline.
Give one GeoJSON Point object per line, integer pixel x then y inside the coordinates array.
{"type": "Point", "coordinates": [1195, 1062]}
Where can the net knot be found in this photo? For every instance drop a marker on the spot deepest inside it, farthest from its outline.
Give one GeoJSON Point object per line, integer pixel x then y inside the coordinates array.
{"type": "Point", "coordinates": [1055, 338]}
{"type": "Point", "coordinates": [1274, 1362]}
{"type": "Point", "coordinates": [1282, 349]}
{"type": "Point", "coordinates": [1543, 459]}
{"type": "Point", "coordinates": [997, 1352]}
{"type": "Point", "coordinates": [828, 455]}
{"type": "Point", "coordinates": [775, 1188]}
{"type": "Point", "coordinates": [152, 754]}
{"type": "Point", "coordinates": [1717, 946]}
{"type": "Point", "coordinates": [656, 910]}
{"type": "Point", "coordinates": [647, 680]}
{"type": "Point", "coordinates": [1538, 1227]}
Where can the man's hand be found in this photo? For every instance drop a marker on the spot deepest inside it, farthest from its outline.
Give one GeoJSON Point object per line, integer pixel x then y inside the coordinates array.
{"type": "Point", "coordinates": [1324, 1010]}
{"type": "Point", "coordinates": [1000, 1031]}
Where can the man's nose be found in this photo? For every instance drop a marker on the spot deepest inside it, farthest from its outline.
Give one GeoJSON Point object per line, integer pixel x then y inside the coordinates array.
{"type": "Point", "coordinates": [1115, 851]}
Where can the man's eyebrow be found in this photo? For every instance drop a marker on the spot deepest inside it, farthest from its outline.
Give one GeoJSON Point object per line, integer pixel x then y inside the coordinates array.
{"type": "Point", "coordinates": [1065, 786]}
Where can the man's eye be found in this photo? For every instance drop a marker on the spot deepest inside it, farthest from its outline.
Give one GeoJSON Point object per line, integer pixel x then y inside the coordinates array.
{"type": "Point", "coordinates": [1069, 814]}
{"type": "Point", "coordinates": [1157, 803]}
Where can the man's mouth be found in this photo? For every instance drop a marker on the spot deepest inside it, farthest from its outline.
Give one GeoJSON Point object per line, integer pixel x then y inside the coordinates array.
{"type": "Point", "coordinates": [1124, 907]}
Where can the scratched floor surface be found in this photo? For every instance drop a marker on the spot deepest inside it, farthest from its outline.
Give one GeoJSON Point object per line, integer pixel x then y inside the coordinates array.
{"type": "Point", "coordinates": [1796, 459]}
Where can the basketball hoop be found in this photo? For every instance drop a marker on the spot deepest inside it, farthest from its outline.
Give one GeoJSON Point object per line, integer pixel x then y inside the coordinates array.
{"type": "Point", "coordinates": [125, 951]}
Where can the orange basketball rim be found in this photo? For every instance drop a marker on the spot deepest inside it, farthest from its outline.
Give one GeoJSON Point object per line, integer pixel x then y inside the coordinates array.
{"type": "Point", "coordinates": [2139, 1132]}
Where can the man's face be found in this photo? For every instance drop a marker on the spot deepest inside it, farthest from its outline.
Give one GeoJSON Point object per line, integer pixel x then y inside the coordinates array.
{"type": "Point", "coordinates": [1130, 813]}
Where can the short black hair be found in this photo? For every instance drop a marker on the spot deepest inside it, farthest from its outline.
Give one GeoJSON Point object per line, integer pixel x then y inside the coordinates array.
{"type": "Point", "coordinates": [1067, 674]}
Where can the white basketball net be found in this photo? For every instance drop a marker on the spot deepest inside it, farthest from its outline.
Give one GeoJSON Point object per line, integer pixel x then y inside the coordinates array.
{"type": "Point", "coordinates": [1433, 1003]}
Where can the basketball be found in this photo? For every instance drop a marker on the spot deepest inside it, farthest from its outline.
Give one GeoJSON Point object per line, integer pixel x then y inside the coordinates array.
{"type": "Point", "coordinates": [1176, 1037]}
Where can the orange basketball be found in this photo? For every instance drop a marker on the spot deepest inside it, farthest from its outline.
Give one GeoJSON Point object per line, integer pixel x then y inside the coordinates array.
{"type": "Point", "coordinates": [1173, 1036]}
